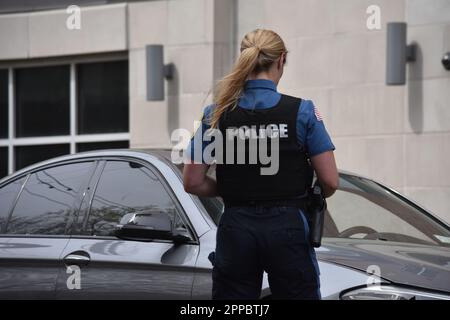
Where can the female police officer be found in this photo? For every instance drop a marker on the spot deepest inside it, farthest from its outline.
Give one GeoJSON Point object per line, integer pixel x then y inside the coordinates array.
{"type": "Point", "coordinates": [263, 227]}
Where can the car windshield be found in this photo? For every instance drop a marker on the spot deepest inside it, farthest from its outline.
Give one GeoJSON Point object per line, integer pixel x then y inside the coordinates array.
{"type": "Point", "coordinates": [364, 209]}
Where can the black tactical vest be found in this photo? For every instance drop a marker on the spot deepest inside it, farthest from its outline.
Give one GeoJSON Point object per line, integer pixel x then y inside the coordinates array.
{"type": "Point", "coordinates": [241, 182]}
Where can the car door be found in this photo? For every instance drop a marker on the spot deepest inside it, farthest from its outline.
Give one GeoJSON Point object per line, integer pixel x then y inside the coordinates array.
{"type": "Point", "coordinates": [100, 265]}
{"type": "Point", "coordinates": [36, 210]}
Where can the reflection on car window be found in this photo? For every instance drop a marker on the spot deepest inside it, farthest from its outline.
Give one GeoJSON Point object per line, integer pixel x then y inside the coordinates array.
{"type": "Point", "coordinates": [47, 199]}
{"type": "Point", "coordinates": [364, 209]}
{"type": "Point", "coordinates": [8, 194]}
{"type": "Point", "coordinates": [127, 187]}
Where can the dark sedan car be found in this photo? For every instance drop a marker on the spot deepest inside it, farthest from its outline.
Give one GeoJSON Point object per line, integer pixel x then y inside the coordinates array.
{"type": "Point", "coordinates": [118, 224]}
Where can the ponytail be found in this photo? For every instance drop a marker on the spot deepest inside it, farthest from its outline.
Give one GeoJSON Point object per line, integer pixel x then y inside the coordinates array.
{"type": "Point", "coordinates": [230, 88]}
{"type": "Point", "coordinates": [259, 49]}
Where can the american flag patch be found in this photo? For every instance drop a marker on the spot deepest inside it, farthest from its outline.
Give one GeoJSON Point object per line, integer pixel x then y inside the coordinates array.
{"type": "Point", "coordinates": [317, 113]}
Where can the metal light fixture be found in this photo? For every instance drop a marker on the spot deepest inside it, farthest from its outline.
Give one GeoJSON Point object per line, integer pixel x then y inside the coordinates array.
{"type": "Point", "coordinates": [446, 61]}
{"type": "Point", "coordinates": [156, 71]}
{"type": "Point", "coordinates": [398, 53]}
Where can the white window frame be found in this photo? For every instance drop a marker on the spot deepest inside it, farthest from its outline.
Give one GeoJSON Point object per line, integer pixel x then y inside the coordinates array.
{"type": "Point", "coordinates": [73, 138]}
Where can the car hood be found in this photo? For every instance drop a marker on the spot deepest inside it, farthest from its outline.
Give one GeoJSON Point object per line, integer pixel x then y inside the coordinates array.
{"type": "Point", "coordinates": [408, 264]}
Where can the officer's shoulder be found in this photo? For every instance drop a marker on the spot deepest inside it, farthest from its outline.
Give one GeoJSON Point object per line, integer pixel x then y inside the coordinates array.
{"type": "Point", "coordinates": [306, 107]}
{"type": "Point", "coordinates": [299, 100]}
{"type": "Point", "coordinates": [290, 98]}
{"type": "Point", "coordinates": [306, 111]}
{"type": "Point", "coordinates": [291, 102]}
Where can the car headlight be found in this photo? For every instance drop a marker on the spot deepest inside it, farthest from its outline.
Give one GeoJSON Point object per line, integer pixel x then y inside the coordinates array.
{"type": "Point", "coordinates": [389, 292]}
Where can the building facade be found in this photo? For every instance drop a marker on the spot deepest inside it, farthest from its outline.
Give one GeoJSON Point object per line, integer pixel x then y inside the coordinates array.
{"type": "Point", "coordinates": [65, 90]}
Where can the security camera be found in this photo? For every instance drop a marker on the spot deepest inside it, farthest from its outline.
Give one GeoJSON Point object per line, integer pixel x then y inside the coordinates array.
{"type": "Point", "coordinates": [446, 61]}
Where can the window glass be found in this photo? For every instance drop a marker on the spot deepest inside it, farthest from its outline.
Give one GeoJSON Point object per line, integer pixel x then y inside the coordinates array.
{"type": "Point", "coordinates": [102, 97]}
{"type": "Point", "coordinates": [126, 187]}
{"type": "Point", "coordinates": [3, 103]}
{"type": "Point", "coordinates": [350, 210]}
{"type": "Point", "coordinates": [3, 161]}
{"type": "Point", "coordinates": [363, 209]}
{"type": "Point", "coordinates": [42, 97]}
{"type": "Point", "coordinates": [8, 194]}
{"type": "Point", "coordinates": [47, 200]}
{"type": "Point", "coordinates": [87, 146]}
{"type": "Point", "coordinates": [214, 207]}
{"type": "Point", "coordinates": [26, 155]}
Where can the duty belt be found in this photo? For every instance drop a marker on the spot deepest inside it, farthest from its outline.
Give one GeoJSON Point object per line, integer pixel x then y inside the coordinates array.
{"type": "Point", "coordinates": [296, 202]}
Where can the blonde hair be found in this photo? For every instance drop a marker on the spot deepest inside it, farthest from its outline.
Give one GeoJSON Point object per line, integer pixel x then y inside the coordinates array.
{"type": "Point", "coordinates": [259, 50]}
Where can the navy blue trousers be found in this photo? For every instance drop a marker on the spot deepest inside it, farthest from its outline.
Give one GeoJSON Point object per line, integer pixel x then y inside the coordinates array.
{"type": "Point", "coordinates": [251, 240]}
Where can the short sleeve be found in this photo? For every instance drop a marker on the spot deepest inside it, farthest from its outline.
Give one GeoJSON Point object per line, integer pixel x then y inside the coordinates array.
{"type": "Point", "coordinates": [197, 144]}
{"type": "Point", "coordinates": [311, 132]}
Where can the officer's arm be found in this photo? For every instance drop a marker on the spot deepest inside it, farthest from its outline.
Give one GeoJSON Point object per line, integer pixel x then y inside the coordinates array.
{"type": "Point", "coordinates": [325, 167]}
{"type": "Point", "coordinates": [196, 180]}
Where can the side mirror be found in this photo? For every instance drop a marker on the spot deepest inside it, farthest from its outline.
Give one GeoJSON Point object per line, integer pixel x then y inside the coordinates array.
{"type": "Point", "coordinates": [148, 226]}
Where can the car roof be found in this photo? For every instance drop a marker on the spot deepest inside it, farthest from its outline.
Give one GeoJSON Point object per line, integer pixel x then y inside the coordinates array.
{"type": "Point", "coordinates": [163, 154]}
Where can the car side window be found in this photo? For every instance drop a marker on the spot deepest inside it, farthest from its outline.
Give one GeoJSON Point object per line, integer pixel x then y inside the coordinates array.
{"type": "Point", "coordinates": [47, 200]}
{"type": "Point", "coordinates": [8, 194]}
{"type": "Point", "coordinates": [127, 187]}
{"type": "Point", "coordinates": [363, 210]}
{"type": "Point", "coordinates": [350, 210]}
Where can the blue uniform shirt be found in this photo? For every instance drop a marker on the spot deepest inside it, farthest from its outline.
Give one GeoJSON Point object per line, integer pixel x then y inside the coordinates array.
{"type": "Point", "coordinates": [262, 94]}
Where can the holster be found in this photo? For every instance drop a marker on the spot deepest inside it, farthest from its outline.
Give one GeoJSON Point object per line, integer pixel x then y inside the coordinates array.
{"type": "Point", "coordinates": [316, 215]}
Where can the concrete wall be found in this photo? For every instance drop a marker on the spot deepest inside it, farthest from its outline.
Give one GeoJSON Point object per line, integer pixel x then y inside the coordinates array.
{"type": "Point", "coordinates": [427, 107]}
{"type": "Point", "coordinates": [398, 135]}
{"type": "Point", "coordinates": [44, 34]}
{"type": "Point", "coordinates": [198, 38]}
